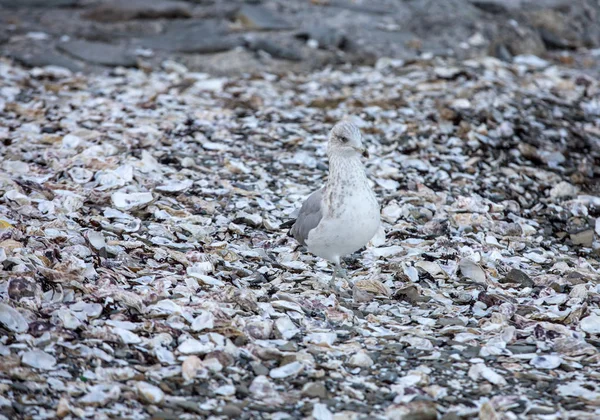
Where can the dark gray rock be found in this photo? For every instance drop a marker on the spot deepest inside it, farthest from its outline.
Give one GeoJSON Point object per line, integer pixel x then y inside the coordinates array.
{"type": "Point", "coordinates": [575, 29]}
{"type": "Point", "coordinates": [259, 368]}
{"type": "Point", "coordinates": [14, 4]}
{"type": "Point", "coordinates": [49, 57]}
{"type": "Point", "coordinates": [496, 6]}
{"type": "Point", "coordinates": [21, 287]}
{"type": "Point", "coordinates": [326, 37]}
{"type": "Point", "coordinates": [99, 53]}
{"type": "Point", "coordinates": [346, 31]}
{"type": "Point", "coordinates": [388, 377]}
{"type": "Point", "coordinates": [522, 348]}
{"type": "Point", "coordinates": [519, 277]}
{"type": "Point", "coordinates": [201, 37]}
{"type": "Point", "coordinates": [260, 18]}
{"type": "Point", "coordinates": [283, 49]}
{"type": "Point", "coordinates": [231, 411]}
{"type": "Point", "coordinates": [361, 8]}
{"type": "Point", "coordinates": [315, 390]}
{"type": "Point", "coordinates": [139, 9]}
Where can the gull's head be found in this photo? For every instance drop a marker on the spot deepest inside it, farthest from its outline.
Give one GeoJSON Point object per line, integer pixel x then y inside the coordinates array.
{"type": "Point", "coordinates": [345, 139]}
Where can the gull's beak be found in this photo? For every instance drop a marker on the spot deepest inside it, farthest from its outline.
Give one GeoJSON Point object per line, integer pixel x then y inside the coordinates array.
{"type": "Point", "coordinates": [362, 150]}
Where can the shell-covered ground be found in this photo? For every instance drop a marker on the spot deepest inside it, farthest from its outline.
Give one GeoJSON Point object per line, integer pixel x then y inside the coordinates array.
{"type": "Point", "coordinates": [144, 273]}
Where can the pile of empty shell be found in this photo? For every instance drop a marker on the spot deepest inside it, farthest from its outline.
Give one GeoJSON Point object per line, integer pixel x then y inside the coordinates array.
{"type": "Point", "coordinates": [143, 270]}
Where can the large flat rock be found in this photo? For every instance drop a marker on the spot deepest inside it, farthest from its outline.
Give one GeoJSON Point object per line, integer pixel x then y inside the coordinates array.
{"type": "Point", "coordinates": [49, 57]}
{"type": "Point", "coordinates": [16, 4]}
{"type": "Point", "coordinates": [198, 36]}
{"type": "Point", "coordinates": [99, 53]}
{"type": "Point", "coordinates": [139, 9]}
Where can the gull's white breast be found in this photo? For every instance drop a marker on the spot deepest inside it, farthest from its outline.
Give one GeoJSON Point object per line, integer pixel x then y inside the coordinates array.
{"type": "Point", "coordinates": [348, 225]}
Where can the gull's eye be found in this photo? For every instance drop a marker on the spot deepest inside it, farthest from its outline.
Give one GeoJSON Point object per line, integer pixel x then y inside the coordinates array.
{"type": "Point", "coordinates": [344, 139]}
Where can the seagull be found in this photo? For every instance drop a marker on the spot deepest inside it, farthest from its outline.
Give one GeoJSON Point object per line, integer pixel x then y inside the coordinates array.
{"type": "Point", "coordinates": [344, 215]}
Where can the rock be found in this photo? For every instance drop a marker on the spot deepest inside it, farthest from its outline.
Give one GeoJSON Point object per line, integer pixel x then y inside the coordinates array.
{"type": "Point", "coordinates": [285, 328]}
{"type": "Point", "coordinates": [314, 390]}
{"type": "Point", "coordinates": [277, 48]}
{"type": "Point", "coordinates": [415, 410]}
{"type": "Point", "coordinates": [516, 40]}
{"type": "Point", "coordinates": [114, 11]}
{"type": "Point", "coordinates": [259, 369]}
{"type": "Point", "coordinates": [488, 412]}
{"type": "Point", "coordinates": [517, 276]}
{"type": "Point", "coordinates": [479, 371]}
{"type": "Point", "coordinates": [546, 362]}
{"type": "Point", "coordinates": [564, 190]}
{"type": "Point", "coordinates": [193, 346]}
{"type": "Point", "coordinates": [48, 57]}
{"type": "Point", "coordinates": [150, 393]}
{"type": "Point", "coordinates": [12, 319]}
{"type": "Point", "coordinates": [99, 53]}
{"type": "Point", "coordinates": [205, 320]}
{"type": "Point", "coordinates": [321, 339]}
{"type": "Point", "coordinates": [250, 219]}
{"type": "Point", "coordinates": [472, 270]}
{"type": "Point", "coordinates": [566, 25]}
{"type": "Point", "coordinates": [131, 201]}
{"type": "Point", "coordinates": [285, 371]}
{"type": "Point", "coordinates": [9, 4]}
{"type": "Point", "coordinates": [21, 287]}
{"type": "Point", "coordinates": [201, 37]}
{"type": "Point", "coordinates": [97, 241]}
{"type": "Point", "coordinates": [190, 367]}
{"type": "Point", "coordinates": [360, 359]}
{"type": "Point", "coordinates": [225, 390]}
{"type": "Point", "coordinates": [63, 409]}
{"type": "Point", "coordinates": [584, 238]}
{"type": "Point", "coordinates": [325, 36]}
{"type": "Point", "coordinates": [228, 63]}
{"type": "Point", "coordinates": [175, 186]}
{"type": "Point", "coordinates": [231, 411]}
{"type": "Point", "coordinates": [127, 337]}
{"type": "Point", "coordinates": [497, 6]}
{"type": "Point", "coordinates": [261, 18]}
{"type": "Point", "coordinates": [591, 324]}
{"type": "Point", "coordinates": [263, 390]}
{"type": "Point", "coordinates": [38, 359]}
{"type": "Point", "coordinates": [531, 61]}
{"type": "Point", "coordinates": [101, 394]}
{"type": "Point", "coordinates": [321, 412]}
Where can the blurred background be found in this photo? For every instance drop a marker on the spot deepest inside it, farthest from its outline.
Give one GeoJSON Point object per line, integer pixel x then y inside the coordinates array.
{"type": "Point", "coordinates": [233, 37]}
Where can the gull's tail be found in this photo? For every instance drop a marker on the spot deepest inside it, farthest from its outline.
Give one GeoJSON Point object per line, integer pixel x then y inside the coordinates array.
{"type": "Point", "coordinates": [288, 225]}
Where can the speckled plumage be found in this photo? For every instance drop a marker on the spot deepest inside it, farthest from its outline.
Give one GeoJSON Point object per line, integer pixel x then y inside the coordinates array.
{"type": "Point", "coordinates": [344, 215]}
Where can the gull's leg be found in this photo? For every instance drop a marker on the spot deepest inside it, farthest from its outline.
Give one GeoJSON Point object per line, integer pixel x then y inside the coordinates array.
{"type": "Point", "coordinates": [336, 263]}
{"type": "Point", "coordinates": [337, 271]}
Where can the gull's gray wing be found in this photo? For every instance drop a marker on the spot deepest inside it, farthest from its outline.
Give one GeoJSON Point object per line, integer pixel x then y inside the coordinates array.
{"type": "Point", "coordinates": [309, 217]}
